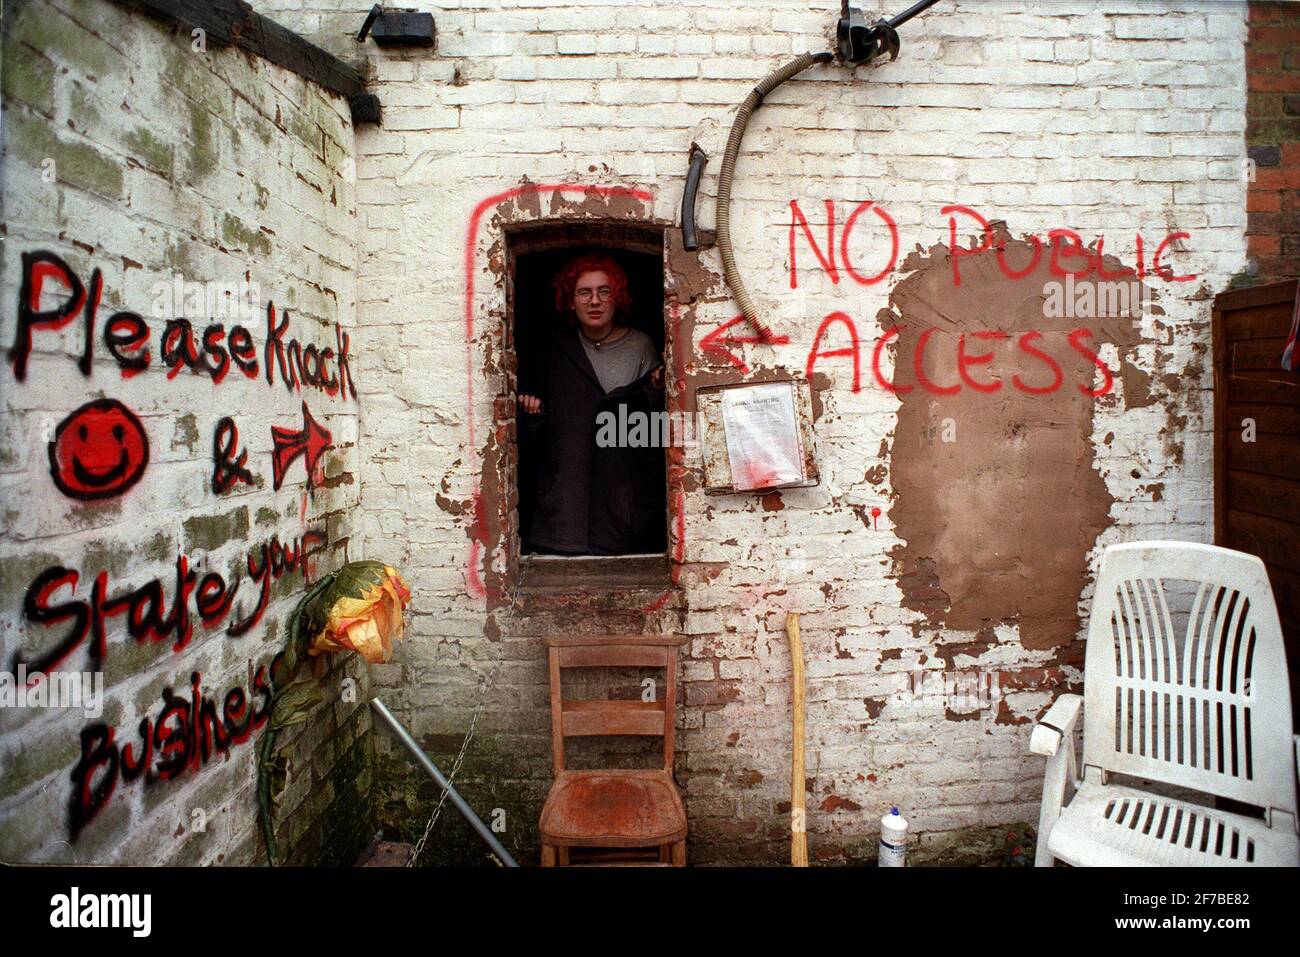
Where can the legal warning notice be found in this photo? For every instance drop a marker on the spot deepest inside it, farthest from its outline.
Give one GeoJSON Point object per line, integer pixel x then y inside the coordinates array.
{"type": "Point", "coordinates": [762, 433]}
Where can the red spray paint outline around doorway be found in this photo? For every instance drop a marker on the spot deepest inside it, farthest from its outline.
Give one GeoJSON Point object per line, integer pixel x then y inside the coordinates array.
{"type": "Point", "coordinates": [479, 539]}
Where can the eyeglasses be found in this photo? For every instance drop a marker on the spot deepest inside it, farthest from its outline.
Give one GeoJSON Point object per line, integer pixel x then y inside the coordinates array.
{"type": "Point", "coordinates": [586, 295]}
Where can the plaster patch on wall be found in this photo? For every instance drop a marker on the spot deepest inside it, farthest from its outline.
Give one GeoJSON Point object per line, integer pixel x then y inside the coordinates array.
{"type": "Point", "coordinates": [997, 524]}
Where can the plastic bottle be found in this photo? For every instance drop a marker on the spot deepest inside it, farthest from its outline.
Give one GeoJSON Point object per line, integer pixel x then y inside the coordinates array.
{"type": "Point", "coordinates": [893, 840]}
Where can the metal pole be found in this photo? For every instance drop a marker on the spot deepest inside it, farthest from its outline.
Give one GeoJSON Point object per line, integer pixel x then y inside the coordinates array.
{"type": "Point", "coordinates": [431, 769]}
{"type": "Point", "coordinates": [910, 12]}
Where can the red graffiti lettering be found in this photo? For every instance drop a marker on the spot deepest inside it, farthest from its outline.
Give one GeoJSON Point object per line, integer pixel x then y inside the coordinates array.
{"type": "Point", "coordinates": [983, 358]}
{"type": "Point", "coordinates": [816, 352]}
{"type": "Point", "coordinates": [1025, 344]}
{"type": "Point", "coordinates": [844, 243]}
{"type": "Point", "coordinates": [211, 352]}
{"type": "Point", "coordinates": [918, 366]}
{"type": "Point", "coordinates": [826, 259]}
{"type": "Point", "coordinates": [187, 733]}
{"type": "Point", "coordinates": [875, 364]}
{"type": "Point", "coordinates": [1107, 377]}
{"type": "Point", "coordinates": [957, 253]}
{"type": "Point", "coordinates": [150, 617]}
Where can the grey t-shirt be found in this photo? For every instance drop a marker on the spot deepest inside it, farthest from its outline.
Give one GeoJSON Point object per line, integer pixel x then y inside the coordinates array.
{"type": "Point", "coordinates": [621, 362]}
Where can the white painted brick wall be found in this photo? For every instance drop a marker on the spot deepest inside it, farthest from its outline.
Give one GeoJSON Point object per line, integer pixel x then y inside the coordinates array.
{"type": "Point", "coordinates": [1111, 121]}
{"type": "Point", "coordinates": [156, 150]}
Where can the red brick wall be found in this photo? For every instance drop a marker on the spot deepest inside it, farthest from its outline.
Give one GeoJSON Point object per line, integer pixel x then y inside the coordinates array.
{"type": "Point", "coordinates": [1273, 139]}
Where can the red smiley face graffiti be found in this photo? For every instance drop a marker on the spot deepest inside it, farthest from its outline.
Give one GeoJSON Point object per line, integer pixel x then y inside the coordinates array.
{"type": "Point", "coordinates": [98, 451]}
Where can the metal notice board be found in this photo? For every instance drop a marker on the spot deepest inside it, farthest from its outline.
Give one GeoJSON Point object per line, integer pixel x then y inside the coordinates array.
{"type": "Point", "coordinates": [757, 436]}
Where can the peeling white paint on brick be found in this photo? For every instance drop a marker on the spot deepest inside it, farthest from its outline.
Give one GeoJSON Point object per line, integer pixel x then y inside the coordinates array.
{"type": "Point", "coordinates": [1112, 123]}
{"type": "Point", "coordinates": [220, 168]}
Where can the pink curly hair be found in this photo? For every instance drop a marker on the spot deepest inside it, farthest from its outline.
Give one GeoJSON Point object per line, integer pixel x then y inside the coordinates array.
{"type": "Point", "coordinates": [567, 279]}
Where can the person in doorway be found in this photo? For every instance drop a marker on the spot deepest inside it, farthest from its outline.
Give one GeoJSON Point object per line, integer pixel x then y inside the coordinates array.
{"type": "Point", "coordinates": [593, 498]}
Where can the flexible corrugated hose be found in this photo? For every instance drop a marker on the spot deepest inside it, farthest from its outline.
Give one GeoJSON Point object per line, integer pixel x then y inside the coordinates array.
{"type": "Point", "coordinates": [732, 274]}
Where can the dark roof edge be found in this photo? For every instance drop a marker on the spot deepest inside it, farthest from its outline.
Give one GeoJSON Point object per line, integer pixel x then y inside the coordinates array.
{"type": "Point", "coordinates": [235, 23]}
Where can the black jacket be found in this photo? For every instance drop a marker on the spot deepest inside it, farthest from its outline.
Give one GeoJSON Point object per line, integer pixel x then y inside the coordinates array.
{"type": "Point", "coordinates": [627, 514]}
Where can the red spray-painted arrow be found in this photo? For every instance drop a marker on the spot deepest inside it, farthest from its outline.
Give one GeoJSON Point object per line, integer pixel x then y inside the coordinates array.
{"type": "Point", "coordinates": [311, 440]}
{"type": "Point", "coordinates": [716, 343]}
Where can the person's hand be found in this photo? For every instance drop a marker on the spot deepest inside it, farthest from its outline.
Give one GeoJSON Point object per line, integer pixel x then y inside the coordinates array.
{"type": "Point", "coordinates": [530, 404]}
{"type": "Point", "coordinates": [657, 377]}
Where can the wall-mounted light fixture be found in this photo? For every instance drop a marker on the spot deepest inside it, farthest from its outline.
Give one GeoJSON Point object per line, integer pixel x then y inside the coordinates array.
{"type": "Point", "coordinates": [397, 28]}
{"type": "Point", "coordinates": [858, 43]}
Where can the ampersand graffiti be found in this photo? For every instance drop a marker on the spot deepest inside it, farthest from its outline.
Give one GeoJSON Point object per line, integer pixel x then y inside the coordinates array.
{"type": "Point", "coordinates": [227, 458]}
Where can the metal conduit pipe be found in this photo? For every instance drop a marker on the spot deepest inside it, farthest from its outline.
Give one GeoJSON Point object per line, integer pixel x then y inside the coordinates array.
{"type": "Point", "coordinates": [856, 43]}
{"type": "Point", "coordinates": [732, 274]}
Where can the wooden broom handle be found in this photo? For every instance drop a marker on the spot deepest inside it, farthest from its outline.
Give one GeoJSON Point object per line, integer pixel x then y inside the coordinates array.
{"type": "Point", "coordinates": [798, 811]}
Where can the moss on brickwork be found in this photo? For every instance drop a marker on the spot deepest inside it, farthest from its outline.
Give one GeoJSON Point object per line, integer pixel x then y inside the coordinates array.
{"type": "Point", "coordinates": [27, 77]}
{"type": "Point", "coordinates": [42, 832]}
{"type": "Point", "coordinates": [37, 757]}
{"type": "Point", "coordinates": [106, 556]}
{"type": "Point", "coordinates": [149, 151]}
{"type": "Point", "coordinates": [75, 164]}
{"type": "Point", "coordinates": [18, 573]}
{"type": "Point", "coordinates": [344, 817]}
{"type": "Point", "coordinates": [306, 131]}
{"type": "Point", "coordinates": [204, 152]}
{"type": "Point", "coordinates": [261, 127]}
{"type": "Point", "coordinates": [975, 846]}
{"type": "Point", "coordinates": [489, 778]}
{"type": "Point", "coordinates": [187, 73]}
{"type": "Point", "coordinates": [236, 232]}
{"type": "Point", "coordinates": [289, 586]}
{"type": "Point", "coordinates": [148, 697]}
{"type": "Point", "coordinates": [336, 463]}
{"type": "Point", "coordinates": [159, 547]}
{"type": "Point", "coordinates": [96, 514]}
{"type": "Point", "coordinates": [129, 658]}
{"type": "Point", "coordinates": [58, 37]}
{"type": "Point", "coordinates": [335, 818]}
{"type": "Point", "coordinates": [176, 257]}
{"type": "Point", "coordinates": [85, 111]}
{"type": "Point", "coordinates": [186, 434]}
{"type": "Point", "coordinates": [212, 531]}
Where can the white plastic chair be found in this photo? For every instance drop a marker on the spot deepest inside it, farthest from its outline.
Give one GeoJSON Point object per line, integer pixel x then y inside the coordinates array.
{"type": "Point", "coordinates": [1208, 710]}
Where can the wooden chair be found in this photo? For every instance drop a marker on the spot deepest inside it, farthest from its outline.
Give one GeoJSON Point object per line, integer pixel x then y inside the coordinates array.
{"type": "Point", "coordinates": [612, 808]}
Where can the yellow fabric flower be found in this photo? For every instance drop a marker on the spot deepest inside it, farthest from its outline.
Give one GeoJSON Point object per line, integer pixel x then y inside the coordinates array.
{"type": "Point", "coordinates": [369, 621]}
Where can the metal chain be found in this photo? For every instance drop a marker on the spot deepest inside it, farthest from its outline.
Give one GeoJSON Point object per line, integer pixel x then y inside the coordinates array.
{"type": "Point", "coordinates": [488, 683]}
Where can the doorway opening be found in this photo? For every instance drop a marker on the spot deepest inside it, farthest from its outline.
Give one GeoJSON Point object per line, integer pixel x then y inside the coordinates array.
{"type": "Point", "coordinates": [549, 345]}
